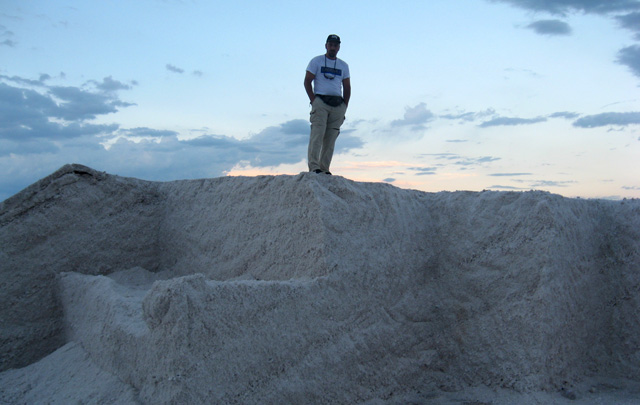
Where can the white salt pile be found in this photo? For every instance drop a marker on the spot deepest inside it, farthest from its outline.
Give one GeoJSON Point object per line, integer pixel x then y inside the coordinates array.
{"type": "Point", "coordinates": [314, 289]}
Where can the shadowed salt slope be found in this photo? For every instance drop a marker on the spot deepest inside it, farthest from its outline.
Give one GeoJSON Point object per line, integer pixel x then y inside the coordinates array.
{"type": "Point", "coordinates": [315, 288]}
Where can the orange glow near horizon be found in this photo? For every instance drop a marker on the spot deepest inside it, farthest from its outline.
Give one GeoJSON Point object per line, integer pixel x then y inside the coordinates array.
{"type": "Point", "coordinates": [374, 172]}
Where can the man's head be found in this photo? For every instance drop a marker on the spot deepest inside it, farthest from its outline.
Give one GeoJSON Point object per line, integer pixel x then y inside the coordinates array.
{"type": "Point", "coordinates": [332, 46]}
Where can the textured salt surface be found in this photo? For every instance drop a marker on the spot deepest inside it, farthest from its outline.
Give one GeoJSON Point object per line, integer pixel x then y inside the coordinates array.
{"type": "Point", "coordinates": [314, 289]}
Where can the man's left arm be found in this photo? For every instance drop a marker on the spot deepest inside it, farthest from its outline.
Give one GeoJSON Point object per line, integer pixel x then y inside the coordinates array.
{"type": "Point", "coordinates": [346, 90]}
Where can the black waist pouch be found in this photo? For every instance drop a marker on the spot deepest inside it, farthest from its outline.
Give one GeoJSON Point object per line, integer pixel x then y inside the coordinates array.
{"type": "Point", "coordinates": [333, 101]}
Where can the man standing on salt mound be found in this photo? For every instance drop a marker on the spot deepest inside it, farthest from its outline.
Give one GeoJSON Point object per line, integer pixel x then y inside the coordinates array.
{"type": "Point", "coordinates": [329, 76]}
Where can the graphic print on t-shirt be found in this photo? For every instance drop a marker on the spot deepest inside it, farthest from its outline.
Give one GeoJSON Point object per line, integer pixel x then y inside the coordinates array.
{"type": "Point", "coordinates": [330, 70]}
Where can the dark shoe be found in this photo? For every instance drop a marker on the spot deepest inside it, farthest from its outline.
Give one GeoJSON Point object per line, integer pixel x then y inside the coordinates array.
{"type": "Point", "coordinates": [317, 171]}
{"type": "Point", "coordinates": [329, 173]}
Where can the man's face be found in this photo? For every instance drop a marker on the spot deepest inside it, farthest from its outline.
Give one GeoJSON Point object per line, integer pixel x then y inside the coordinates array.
{"type": "Point", "coordinates": [332, 49]}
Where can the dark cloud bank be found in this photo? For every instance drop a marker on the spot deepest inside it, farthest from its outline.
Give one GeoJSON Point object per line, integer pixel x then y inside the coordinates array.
{"type": "Point", "coordinates": [45, 126]}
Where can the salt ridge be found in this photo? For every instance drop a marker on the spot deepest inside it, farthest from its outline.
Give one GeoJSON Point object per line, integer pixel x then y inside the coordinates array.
{"type": "Point", "coordinates": [315, 289]}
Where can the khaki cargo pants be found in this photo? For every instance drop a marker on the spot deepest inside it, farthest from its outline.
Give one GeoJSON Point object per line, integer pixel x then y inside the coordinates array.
{"type": "Point", "coordinates": [325, 128]}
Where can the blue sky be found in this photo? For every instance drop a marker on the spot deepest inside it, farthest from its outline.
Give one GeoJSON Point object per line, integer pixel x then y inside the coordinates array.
{"type": "Point", "coordinates": [447, 94]}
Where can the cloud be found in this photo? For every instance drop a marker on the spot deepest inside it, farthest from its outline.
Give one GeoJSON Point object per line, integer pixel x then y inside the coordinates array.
{"type": "Point", "coordinates": [55, 111]}
{"type": "Point", "coordinates": [26, 114]}
{"type": "Point", "coordinates": [288, 143]}
{"type": "Point", "coordinates": [610, 118]}
{"type": "Point", "coordinates": [43, 129]}
{"type": "Point", "coordinates": [441, 156]}
{"type": "Point", "coordinates": [630, 56]}
{"type": "Point", "coordinates": [537, 184]}
{"type": "Point", "coordinates": [509, 121]}
{"type": "Point", "coordinates": [295, 127]}
{"type": "Point", "coordinates": [282, 144]}
{"type": "Point", "coordinates": [476, 161]}
{"type": "Point", "coordinates": [503, 121]}
{"type": "Point", "coordinates": [143, 132]}
{"type": "Point", "coordinates": [510, 174]}
{"type": "Point", "coordinates": [160, 154]}
{"type": "Point", "coordinates": [550, 183]}
{"type": "Point", "coordinates": [457, 160]}
{"type": "Point", "coordinates": [631, 22]}
{"type": "Point", "coordinates": [423, 171]}
{"type": "Point", "coordinates": [109, 85]}
{"type": "Point", "coordinates": [174, 69]}
{"type": "Point", "coordinates": [498, 187]}
{"type": "Point", "coordinates": [563, 7]}
{"type": "Point", "coordinates": [77, 104]}
{"type": "Point", "coordinates": [4, 33]}
{"type": "Point", "coordinates": [564, 114]}
{"type": "Point", "coordinates": [29, 82]}
{"type": "Point", "coordinates": [531, 73]}
{"type": "Point", "coordinates": [220, 142]}
{"type": "Point", "coordinates": [27, 147]}
{"type": "Point", "coordinates": [469, 116]}
{"type": "Point", "coordinates": [550, 27]}
{"type": "Point", "coordinates": [415, 117]}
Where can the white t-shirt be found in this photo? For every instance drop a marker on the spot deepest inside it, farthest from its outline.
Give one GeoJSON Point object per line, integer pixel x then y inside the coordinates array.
{"type": "Point", "coordinates": [329, 75]}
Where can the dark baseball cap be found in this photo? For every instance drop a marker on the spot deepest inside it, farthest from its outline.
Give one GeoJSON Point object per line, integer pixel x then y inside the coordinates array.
{"type": "Point", "coordinates": [333, 38]}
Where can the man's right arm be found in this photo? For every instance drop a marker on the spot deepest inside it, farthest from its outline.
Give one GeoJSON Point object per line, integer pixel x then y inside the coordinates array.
{"type": "Point", "coordinates": [308, 79]}
{"type": "Point", "coordinates": [346, 90]}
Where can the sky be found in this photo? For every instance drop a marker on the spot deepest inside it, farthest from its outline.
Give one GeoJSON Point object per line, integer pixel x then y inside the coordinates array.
{"type": "Point", "coordinates": [447, 95]}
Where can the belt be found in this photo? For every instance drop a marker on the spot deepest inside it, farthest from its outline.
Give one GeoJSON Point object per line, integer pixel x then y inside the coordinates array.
{"type": "Point", "coordinates": [333, 101]}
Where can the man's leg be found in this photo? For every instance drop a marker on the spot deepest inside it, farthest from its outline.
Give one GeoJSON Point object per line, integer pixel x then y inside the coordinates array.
{"type": "Point", "coordinates": [334, 122]}
{"type": "Point", "coordinates": [318, 120]}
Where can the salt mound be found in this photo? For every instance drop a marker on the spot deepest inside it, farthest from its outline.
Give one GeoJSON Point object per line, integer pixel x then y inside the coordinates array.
{"type": "Point", "coordinates": [315, 289]}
